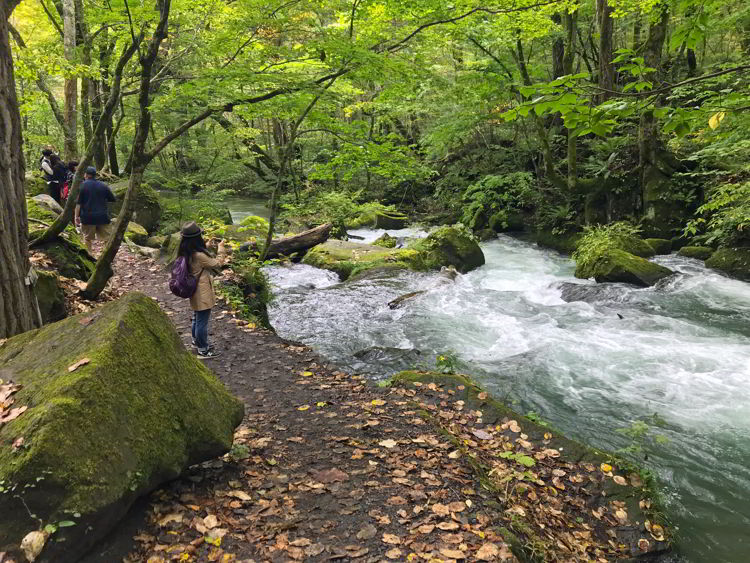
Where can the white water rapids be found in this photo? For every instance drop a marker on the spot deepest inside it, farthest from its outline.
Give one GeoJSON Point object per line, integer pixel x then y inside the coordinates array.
{"type": "Point", "coordinates": [680, 351]}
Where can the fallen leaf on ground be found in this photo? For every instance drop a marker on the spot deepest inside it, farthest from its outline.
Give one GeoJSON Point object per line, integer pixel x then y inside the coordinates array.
{"type": "Point", "coordinates": [394, 553]}
{"type": "Point", "coordinates": [242, 495]}
{"type": "Point", "coordinates": [390, 443]}
{"type": "Point", "coordinates": [79, 363]}
{"type": "Point", "coordinates": [482, 435]}
{"type": "Point", "coordinates": [367, 533]}
{"type": "Point", "coordinates": [488, 552]}
{"type": "Point", "coordinates": [453, 553]}
{"type": "Point", "coordinates": [620, 480]}
{"type": "Point", "coordinates": [211, 521]}
{"type": "Point", "coordinates": [440, 509]}
{"type": "Point", "coordinates": [391, 539]}
{"type": "Point", "coordinates": [330, 476]}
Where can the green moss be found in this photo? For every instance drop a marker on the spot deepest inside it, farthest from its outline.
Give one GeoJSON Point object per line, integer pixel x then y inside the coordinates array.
{"type": "Point", "coordinates": [380, 220]}
{"type": "Point", "coordinates": [248, 292]}
{"type": "Point", "coordinates": [620, 266]}
{"type": "Point", "coordinates": [139, 412]}
{"type": "Point", "coordinates": [50, 297]}
{"type": "Point", "coordinates": [699, 252]}
{"type": "Point", "coordinates": [450, 246]}
{"type": "Point", "coordinates": [36, 211]}
{"type": "Point", "coordinates": [562, 242]}
{"type": "Point", "coordinates": [352, 258]}
{"type": "Point", "coordinates": [136, 233]}
{"type": "Point", "coordinates": [386, 241]}
{"type": "Point", "coordinates": [156, 241]}
{"type": "Point", "coordinates": [732, 261]}
{"type": "Point", "coordinates": [70, 257]}
{"type": "Point", "coordinates": [147, 210]}
{"type": "Point", "coordinates": [35, 185]}
{"type": "Point", "coordinates": [636, 246]}
{"type": "Point", "coordinates": [660, 245]}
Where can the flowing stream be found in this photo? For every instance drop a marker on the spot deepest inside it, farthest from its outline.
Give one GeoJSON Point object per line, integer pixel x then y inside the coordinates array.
{"type": "Point", "coordinates": [676, 357]}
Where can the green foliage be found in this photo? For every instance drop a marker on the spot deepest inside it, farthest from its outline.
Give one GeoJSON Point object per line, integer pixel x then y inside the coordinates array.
{"type": "Point", "coordinates": [446, 362]}
{"type": "Point", "coordinates": [599, 239]}
{"type": "Point", "coordinates": [724, 219]}
{"type": "Point", "coordinates": [497, 194]}
{"type": "Point", "coordinates": [642, 436]}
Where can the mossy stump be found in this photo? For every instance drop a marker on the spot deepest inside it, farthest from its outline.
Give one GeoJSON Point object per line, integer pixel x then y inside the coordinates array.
{"type": "Point", "coordinates": [136, 411]}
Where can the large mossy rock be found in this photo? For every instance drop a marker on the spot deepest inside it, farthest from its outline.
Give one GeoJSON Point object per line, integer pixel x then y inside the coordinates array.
{"type": "Point", "coordinates": [621, 266]}
{"type": "Point", "coordinates": [386, 241]}
{"type": "Point", "coordinates": [70, 257]}
{"type": "Point", "coordinates": [35, 184]}
{"type": "Point", "coordinates": [660, 245]}
{"type": "Point", "coordinates": [35, 210]}
{"type": "Point", "coordinates": [352, 258]}
{"type": "Point", "coordinates": [636, 246]}
{"type": "Point", "coordinates": [450, 246]}
{"type": "Point", "coordinates": [147, 210]}
{"type": "Point", "coordinates": [47, 202]}
{"type": "Point", "coordinates": [137, 411]}
{"type": "Point", "coordinates": [381, 220]}
{"type": "Point", "coordinates": [136, 233]}
{"type": "Point", "coordinates": [732, 261]}
{"type": "Point", "coordinates": [50, 297]}
{"type": "Point", "coordinates": [699, 252]}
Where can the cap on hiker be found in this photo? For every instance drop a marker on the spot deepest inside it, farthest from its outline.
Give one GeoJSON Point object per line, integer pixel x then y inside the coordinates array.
{"type": "Point", "coordinates": [191, 229]}
{"type": "Point", "coordinates": [91, 171]}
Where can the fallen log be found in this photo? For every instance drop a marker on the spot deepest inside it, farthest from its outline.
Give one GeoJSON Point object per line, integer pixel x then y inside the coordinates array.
{"type": "Point", "coordinates": [297, 243]}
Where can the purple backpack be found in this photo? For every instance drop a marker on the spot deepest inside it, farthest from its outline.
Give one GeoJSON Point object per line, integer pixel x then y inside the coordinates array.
{"type": "Point", "coordinates": [182, 283]}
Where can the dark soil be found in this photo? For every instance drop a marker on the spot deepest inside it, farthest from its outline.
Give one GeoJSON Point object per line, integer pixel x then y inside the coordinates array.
{"type": "Point", "coordinates": [325, 467]}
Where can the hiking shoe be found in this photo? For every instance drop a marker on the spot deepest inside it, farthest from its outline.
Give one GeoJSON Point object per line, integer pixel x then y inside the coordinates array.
{"type": "Point", "coordinates": [207, 354]}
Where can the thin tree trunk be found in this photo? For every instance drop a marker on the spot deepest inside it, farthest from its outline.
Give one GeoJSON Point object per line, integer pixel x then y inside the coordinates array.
{"type": "Point", "coordinates": [18, 311]}
{"type": "Point", "coordinates": [71, 83]}
{"type": "Point", "coordinates": [606, 32]}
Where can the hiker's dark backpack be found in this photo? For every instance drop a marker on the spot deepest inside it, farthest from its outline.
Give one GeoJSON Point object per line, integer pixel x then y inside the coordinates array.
{"type": "Point", "coordinates": [181, 282]}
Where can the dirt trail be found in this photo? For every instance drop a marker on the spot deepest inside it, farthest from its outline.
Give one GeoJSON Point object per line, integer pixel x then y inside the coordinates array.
{"type": "Point", "coordinates": [325, 466]}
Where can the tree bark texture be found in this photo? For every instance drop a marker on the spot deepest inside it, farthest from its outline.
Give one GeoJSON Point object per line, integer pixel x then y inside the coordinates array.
{"type": "Point", "coordinates": [17, 302]}
{"type": "Point", "coordinates": [297, 243]}
{"type": "Point", "coordinates": [606, 32]}
{"type": "Point", "coordinates": [71, 82]}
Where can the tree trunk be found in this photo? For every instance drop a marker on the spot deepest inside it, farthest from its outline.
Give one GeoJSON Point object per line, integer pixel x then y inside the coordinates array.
{"type": "Point", "coordinates": [558, 52]}
{"type": "Point", "coordinates": [653, 177]}
{"type": "Point", "coordinates": [71, 83]}
{"type": "Point", "coordinates": [606, 32]}
{"type": "Point", "coordinates": [571, 25]}
{"type": "Point", "coordinates": [297, 243]}
{"type": "Point", "coordinates": [18, 311]}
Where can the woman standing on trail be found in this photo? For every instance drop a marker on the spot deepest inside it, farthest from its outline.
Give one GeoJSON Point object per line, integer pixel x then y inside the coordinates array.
{"type": "Point", "coordinates": [193, 248]}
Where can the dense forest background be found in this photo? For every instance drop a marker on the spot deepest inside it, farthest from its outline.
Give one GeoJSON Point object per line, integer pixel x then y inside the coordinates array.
{"type": "Point", "coordinates": [505, 115]}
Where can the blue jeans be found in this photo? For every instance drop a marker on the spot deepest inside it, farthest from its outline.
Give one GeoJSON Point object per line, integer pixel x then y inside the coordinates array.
{"type": "Point", "coordinates": [200, 329]}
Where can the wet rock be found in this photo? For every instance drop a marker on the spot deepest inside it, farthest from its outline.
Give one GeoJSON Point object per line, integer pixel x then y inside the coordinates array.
{"type": "Point", "coordinates": [562, 242]}
{"type": "Point", "coordinates": [621, 266]}
{"type": "Point", "coordinates": [450, 246]}
{"type": "Point", "coordinates": [136, 411]}
{"type": "Point", "coordinates": [589, 293]}
{"type": "Point", "coordinates": [660, 245]}
{"type": "Point", "coordinates": [732, 261]}
{"type": "Point", "coordinates": [390, 358]}
{"type": "Point", "coordinates": [46, 201]}
{"type": "Point", "coordinates": [699, 252]}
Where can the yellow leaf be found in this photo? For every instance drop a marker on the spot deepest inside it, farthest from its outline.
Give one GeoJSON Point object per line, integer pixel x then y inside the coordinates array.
{"type": "Point", "coordinates": [303, 408]}
{"type": "Point", "coordinates": [716, 119]}
{"type": "Point", "coordinates": [306, 373]}
{"type": "Point", "coordinates": [378, 402]}
{"type": "Point", "coordinates": [606, 467]}
{"type": "Point", "coordinates": [321, 404]}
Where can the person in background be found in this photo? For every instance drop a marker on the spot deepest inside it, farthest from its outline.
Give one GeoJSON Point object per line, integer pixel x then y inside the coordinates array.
{"type": "Point", "coordinates": [72, 165]}
{"type": "Point", "coordinates": [44, 164]}
{"type": "Point", "coordinates": [58, 177]}
{"type": "Point", "coordinates": [193, 248]}
{"type": "Point", "coordinates": [92, 211]}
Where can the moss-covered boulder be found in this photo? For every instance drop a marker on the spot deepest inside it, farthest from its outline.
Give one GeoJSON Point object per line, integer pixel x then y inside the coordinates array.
{"type": "Point", "coordinates": [50, 297]}
{"type": "Point", "coordinates": [636, 246]}
{"type": "Point", "coordinates": [147, 210]}
{"type": "Point", "coordinates": [351, 258]}
{"type": "Point", "coordinates": [507, 222]}
{"type": "Point", "coordinates": [116, 406]}
{"type": "Point", "coordinates": [450, 246]}
{"type": "Point", "coordinates": [732, 261]}
{"type": "Point", "coordinates": [386, 241]}
{"type": "Point", "coordinates": [699, 252]}
{"type": "Point", "coordinates": [155, 241]}
{"type": "Point", "coordinates": [660, 245]}
{"type": "Point", "coordinates": [562, 242]}
{"type": "Point", "coordinates": [621, 266]}
{"type": "Point", "coordinates": [39, 213]}
{"type": "Point", "coordinates": [170, 246]}
{"type": "Point", "coordinates": [46, 201]}
{"type": "Point", "coordinates": [136, 233]}
{"type": "Point", "coordinates": [70, 257]}
{"type": "Point", "coordinates": [35, 184]}
{"type": "Point", "coordinates": [380, 220]}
